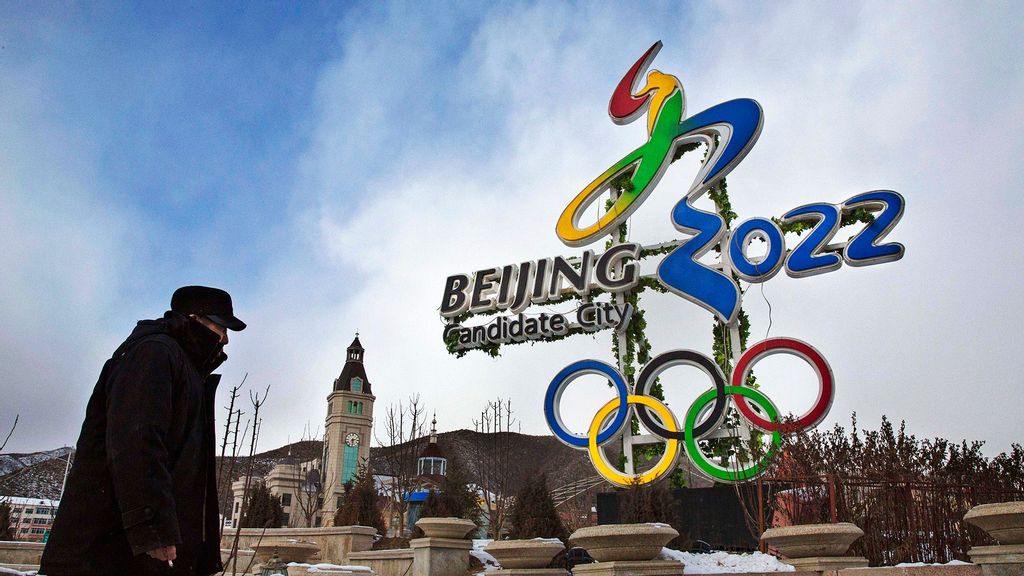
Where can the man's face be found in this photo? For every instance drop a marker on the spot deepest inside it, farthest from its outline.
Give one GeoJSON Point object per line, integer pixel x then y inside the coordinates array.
{"type": "Point", "coordinates": [216, 328]}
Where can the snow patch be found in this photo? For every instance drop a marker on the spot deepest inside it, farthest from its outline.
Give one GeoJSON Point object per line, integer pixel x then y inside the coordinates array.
{"type": "Point", "coordinates": [333, 568]}
{"type": "Point", "coordinates": [490, 562]}
{"type": "Point", "coordinates": [724, 562]}
{"type": "Point", "coordinates": [12, 571]}
{"type": "Point", "coordinates": [919, 564]}
{"type": "Point", "coordinates": [12, 462]}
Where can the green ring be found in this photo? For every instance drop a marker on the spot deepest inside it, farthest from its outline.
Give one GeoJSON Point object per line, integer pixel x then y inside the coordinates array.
{"type": "Point", "coordinates": [697, 457]}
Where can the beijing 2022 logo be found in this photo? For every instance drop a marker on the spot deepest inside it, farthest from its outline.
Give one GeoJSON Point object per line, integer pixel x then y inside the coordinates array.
{"type": "Point", "coordinates": [729, 130]}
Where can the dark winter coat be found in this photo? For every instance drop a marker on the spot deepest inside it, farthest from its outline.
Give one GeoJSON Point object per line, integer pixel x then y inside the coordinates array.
{"type": "Point", "coordinates": [144, 475]}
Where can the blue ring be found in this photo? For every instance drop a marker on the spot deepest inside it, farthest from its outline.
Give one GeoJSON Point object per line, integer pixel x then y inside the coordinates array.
{"type": "Point", "coordinates": [767, 267]}
{"type": "Point", "coordinates": [562, 379]}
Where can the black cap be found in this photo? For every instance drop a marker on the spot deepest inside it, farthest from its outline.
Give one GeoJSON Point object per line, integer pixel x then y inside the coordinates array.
{"type": "Point", "coordinates": [213, 303]}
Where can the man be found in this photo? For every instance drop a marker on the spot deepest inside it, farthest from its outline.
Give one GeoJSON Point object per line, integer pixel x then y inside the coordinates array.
{"type": "Point", "coordinates": [141, 497]}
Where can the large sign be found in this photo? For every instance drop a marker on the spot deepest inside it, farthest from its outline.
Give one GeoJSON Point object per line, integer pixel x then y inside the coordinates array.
{"type": "Point", "coordinates": [728, 131]}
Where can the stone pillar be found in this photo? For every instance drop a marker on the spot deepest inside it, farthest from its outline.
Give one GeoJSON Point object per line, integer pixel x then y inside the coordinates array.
{"type": "Point", "coordinates": [626, 550]}
{"type": "Point", "coordinates": [816, 547]}
{"type": "Point", "coordinates": [526, 557]}
{"type": "Point", "coordinates": [440, 556]}
{"type": "Point", "coordinates": [354, 539]}
{"type": "Point", "coordinates": [1004, 522]}
{"type": "Point", "coordinates": [630, 568]}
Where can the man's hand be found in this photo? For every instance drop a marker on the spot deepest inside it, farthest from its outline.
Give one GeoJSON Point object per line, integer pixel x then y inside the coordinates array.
{"type": "Point", "coordinates": [163, 554]}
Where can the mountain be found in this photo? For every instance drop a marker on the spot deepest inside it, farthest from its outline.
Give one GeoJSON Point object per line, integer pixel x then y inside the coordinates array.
{"type": "Point", "coordinates": [13, 462]}
{"type": "Point", "coordinates": [37, 475]}
{"type": "Point", "coordinates": [40, 474]}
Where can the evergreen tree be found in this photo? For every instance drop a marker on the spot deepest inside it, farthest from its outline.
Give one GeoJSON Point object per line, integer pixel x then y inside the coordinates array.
{"type": "Point", "coordinates": [263, 510]}
{"type": "Point", "coordinates": [457, 498]}
{"type": "Point", "coordinates": [5, 521]}
{"type": "Point", "coordinates": [361, 504]}
{"type": "Point", "coordinates": [533, 514]}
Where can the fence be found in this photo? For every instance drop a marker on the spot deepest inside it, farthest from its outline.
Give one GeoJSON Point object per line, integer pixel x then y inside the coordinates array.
{"type": "Point", "coordinates": [903, 521]}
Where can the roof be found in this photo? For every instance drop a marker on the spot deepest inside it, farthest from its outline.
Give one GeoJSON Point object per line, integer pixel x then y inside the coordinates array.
{"type": "Point", "coordinates": [20, 501]}
{"type": "Point", "coordinates": [420, 496]}
{"type": "Point", "coordinates": [431, 451]}
{"type": "Point", "coordinates": [353, 369]}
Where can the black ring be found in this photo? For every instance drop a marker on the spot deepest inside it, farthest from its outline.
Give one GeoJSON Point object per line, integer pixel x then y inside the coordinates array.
{"type": "Point", "coordinates": [676, 358]}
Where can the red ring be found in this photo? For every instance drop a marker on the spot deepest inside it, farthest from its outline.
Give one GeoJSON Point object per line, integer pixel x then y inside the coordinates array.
{"type": "Point", "coordinates": [801, 350]}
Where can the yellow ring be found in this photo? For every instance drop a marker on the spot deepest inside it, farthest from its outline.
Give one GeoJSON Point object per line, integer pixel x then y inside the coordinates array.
{"type": "Point", "coordinates": [667, 459]}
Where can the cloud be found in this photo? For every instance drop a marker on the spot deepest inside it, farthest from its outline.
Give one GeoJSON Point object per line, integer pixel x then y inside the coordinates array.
{"type": "Point", "coordinates": [854, 100]}
{"type": "Point", "coordinates": [63, 252]}
{"type": "Point", "coordinates": [438, 142]}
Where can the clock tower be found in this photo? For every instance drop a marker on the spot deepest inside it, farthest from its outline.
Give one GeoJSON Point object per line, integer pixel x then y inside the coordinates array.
{"type": "Point", "coordinates": [347, 429]}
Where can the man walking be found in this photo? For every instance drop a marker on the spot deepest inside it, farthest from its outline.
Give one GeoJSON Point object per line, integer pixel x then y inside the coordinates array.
{"type": "Point", "coordinates": [141, 497]}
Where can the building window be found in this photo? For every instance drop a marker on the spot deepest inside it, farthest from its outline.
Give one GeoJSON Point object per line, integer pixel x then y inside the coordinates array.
{"type": "Point", "coordinates": [318, 521]}
{"type": "Point", "coordinates": [432, 466]}
{"type": "Point", "coordinates": [338, 502]}
{"type": "Point", "coordinates": [357, 384]}
{"type": "Point", "coordinates": [237, 506]}
{"type": "Point", "coordinates": [349, 463]}
{"type": "Point", "coordinates": [286, 518]}
{"type": "Point", "coordinates": [286, 499]}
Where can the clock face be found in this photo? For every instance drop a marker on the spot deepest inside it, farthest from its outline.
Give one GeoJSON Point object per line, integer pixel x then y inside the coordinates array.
{"type": "Point", "coordinates": [352, 439]}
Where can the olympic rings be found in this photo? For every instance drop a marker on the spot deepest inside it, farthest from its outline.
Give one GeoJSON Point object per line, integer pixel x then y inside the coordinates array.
{"type": "Point", "coordinates": [800, 350]}
{"type": "Point", "coordinates": [710, 468]}
{"type": "Point", "coordinates": [668, 459]}
{"type": "Point", "coordinates": [752, 404]}
{"type": "Point", "coordinates": [553, 401]}
{"type": "Point", "coordinates": [677, 358]}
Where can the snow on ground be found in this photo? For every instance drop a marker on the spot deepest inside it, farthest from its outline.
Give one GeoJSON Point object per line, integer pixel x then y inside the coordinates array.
{"type": "Point", "coordinates": [713, 563]}
{"type": "Point", "coordinates": [724, 562]}
{"type": "Point", "coordinates": [489, 562]}
{"type": "Point", "coordinates": [12, 571]}
{"type": "Point", "coordinates": [314, 568]}
{"type": "Point", "coordinates": [917, 564]}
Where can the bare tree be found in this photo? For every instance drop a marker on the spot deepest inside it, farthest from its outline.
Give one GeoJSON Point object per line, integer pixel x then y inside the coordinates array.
{"type": "Point", "coordinates": [309, 495]}
{"type": "Point", "coordinates": [257, 401]}
{"type": "Point", "coordinates": [493, 463]}
{"type": "Point", "coordinates": [13, 426]}
{"type": "Point", "coordinates": [403, 424]}
{"type": "Point", "coordinates": [224, 481]}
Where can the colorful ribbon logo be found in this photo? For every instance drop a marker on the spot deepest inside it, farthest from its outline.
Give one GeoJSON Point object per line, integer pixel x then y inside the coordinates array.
{"type": "Point", "coordinates": [728, 129]}
{"type": "Point", "coordinates": [703, 416]}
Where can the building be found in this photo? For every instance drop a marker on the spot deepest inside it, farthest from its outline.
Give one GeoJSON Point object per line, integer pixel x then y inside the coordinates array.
{"type": "Point", "coordinates": [31, 518]}
{"type": "Point", "coordinates": [431, 468]}
{"type": "Point", "coordinates": [347, 430]}
{"type": "Point", "coordinates": [311, 491]}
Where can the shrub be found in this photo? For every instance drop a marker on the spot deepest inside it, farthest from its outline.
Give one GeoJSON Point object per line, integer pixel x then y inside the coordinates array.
{"type": "Point", "coordinates": [534, 514]}
{"type": "Point", "coordinates": [263, 510]}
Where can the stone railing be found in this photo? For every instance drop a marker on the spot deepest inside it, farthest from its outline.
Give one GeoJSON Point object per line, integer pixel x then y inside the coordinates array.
{"type": "Point", "coordinates": [20, 555]}
{"type": "Point", "coordinates": [335, 542]}
{"type": "Point", "coordinates": [385, 562]}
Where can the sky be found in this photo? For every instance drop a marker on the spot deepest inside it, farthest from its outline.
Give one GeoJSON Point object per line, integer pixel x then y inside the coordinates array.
{"type": "Point", "coordinates": [330, 164]}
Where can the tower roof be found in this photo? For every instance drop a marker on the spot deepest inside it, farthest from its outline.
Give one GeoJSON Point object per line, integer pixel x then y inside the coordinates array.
{"type": "Point", "coordinates": [353, 369]}
{"type": "Point", "coordinates": [432, 450]}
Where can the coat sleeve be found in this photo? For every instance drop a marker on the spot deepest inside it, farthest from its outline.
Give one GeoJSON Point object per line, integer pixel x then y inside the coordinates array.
{"type": "Point", "coordinates": [139, 412]}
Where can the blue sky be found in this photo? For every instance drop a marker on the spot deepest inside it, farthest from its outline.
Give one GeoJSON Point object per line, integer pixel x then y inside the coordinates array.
{"type": "Point", "coordinates": [331, 163]}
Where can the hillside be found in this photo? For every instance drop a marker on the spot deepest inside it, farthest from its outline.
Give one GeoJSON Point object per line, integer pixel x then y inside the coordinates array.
{"type": "Point", "coordinates": [40, 474]}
